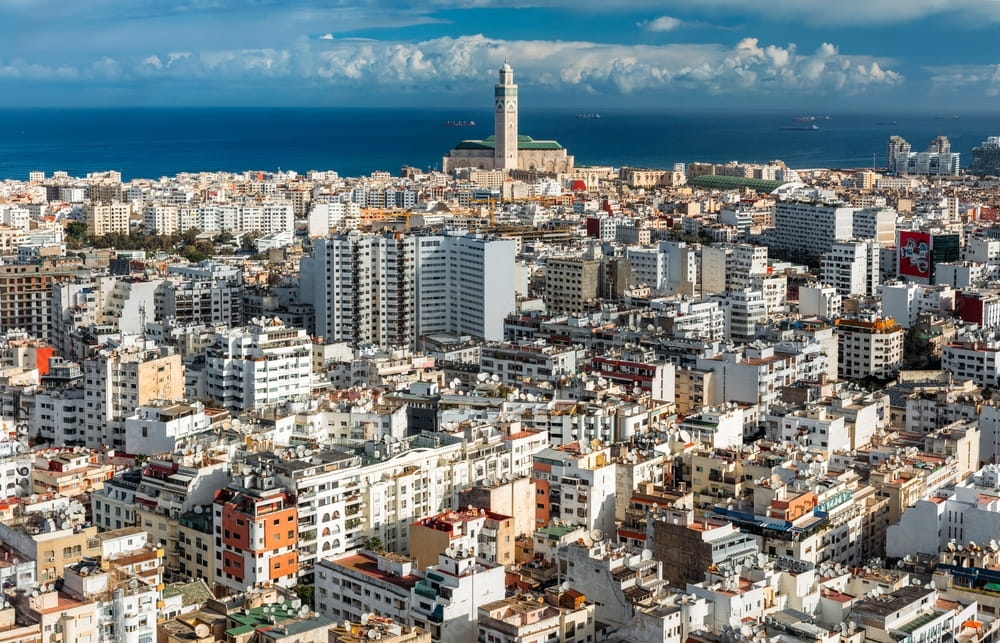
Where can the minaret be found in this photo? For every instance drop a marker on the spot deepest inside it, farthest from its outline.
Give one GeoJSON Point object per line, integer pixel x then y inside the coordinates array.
{"type": "Point", "coordinates": [505, 121]}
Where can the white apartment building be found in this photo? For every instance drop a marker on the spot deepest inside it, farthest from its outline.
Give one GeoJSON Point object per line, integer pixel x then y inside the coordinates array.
{"type": "Point", "coordinates": [200, 301]}
{"type": "Point", "coordinates": [757, 374]}
{"type": "Point", "coordinates": [869, 348]}
{"type": "Point", "coordinates": [575, 483]}
{"type": "Point", "coordinates": [512, 363]}
{"type": "Point", "coordinates": [811, 227]}
{"type": "Point", "coordinates": [649, 266]}
{"type": "Point", "coordinates": [365, 583]}
{"type": "Point", "coordinates": [117, 381]}
{"type": "Point", "coordinates": [157, 426]}
{"type": "Point", "coordinates": [967, 512]}
{"type": "Point", "coordinates": [516, 619]}
{"type": "Point", "coordinates": [260, 365]}
{"type": "Point", "coordinates": [905, 302]}
{"type": "Point", "coordinates": [446, 601]}
{"type": "Point", "coordinates": [876, 224]}
{"type": "Point", "coordinates": [852, 267]}
{"type": "Point", "coordinates": [389, 290]}
{"type": "Point", "coordinates": [819, 301]}
{"type": "Point", "coordinates": [465, 285]}
{"type": "Point", "coordinates": [743, 310]}
{"type": "Point", "coordinates": [974, 358]}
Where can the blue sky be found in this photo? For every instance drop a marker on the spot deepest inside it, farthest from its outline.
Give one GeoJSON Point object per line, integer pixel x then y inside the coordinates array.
{"type": "Point", "coordinates": [574, 53]}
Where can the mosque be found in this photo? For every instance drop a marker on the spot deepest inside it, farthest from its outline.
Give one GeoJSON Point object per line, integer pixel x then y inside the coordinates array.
{"type": "Point", "coordinates": [506, 149]}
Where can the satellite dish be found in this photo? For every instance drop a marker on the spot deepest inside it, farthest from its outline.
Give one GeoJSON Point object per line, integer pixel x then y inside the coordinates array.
{"type": "Point", "coordinates": [596, 535]}
{"type": "Point", "coordinates": [133, 584]}
{"type": "Point", "coordinates": [647, 554]}
{"type": "Point", "coordinates": [746, 631]}
{"type": "Point", "coordinates": [201, 630]}
{"type": "Point", "coordinates": [296, 603]}
{"type": "Point", "coordinates": [372, 634]}
{"type": "Point", "coordinates": [66, 525]}
{"type": "Point", "coordinates": [364, 619]}
{"type": "Point", "coordinates": [198, 509]}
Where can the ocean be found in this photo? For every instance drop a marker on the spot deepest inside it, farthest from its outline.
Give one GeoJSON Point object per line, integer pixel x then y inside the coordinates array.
{"type": "Point", "coordinates": [154, 142]}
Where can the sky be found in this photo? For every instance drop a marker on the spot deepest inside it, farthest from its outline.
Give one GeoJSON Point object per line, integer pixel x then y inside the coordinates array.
{"type": "Point", "coordinates": [643, 54]}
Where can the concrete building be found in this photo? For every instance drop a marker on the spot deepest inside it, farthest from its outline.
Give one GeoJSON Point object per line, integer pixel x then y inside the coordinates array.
{"type": "Point", "coordinates": [119, 380]}
{"type": "Point", "coordinates": [492, 532]}
{"type": "Point", "coordinates": [107, 218]}
{"type": "Point", "coordinates": [811, 227]}
{"type": "Point", "coordinates": [575, 483]}
{"type": "Point", "coordinates": [562, 618]}
{"type": "Point", "coordinates": [256, 529]}
{"type": "Point", "coordinates": [967, 512]}
{"type": "Point", "coordinates": [852, 267]}
{"type": "Point", "coordinates": [260, 365]}
{"type": "Point", "coordinates": [869, 349]}
{"type": "Point", "coordinates": [571, 285]}
{"type": "Point", "coordinates": [688, 546]}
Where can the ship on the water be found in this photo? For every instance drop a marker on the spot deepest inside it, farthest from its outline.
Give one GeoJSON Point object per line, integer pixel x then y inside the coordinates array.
{"type": "Point", "coordinates": [460, 123]}
{"type": "Point", "coordinates": [810, 128]}
{"type": "Point", "coordinates": [589, 115]}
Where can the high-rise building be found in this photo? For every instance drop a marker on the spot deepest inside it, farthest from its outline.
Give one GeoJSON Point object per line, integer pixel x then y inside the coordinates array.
{"type": "Point", "coordinates": [938, 160]}
{"type": "Point", "coordinates": [811, 227]}
{"type": "Point", "coordinates": [852, 267]}
{"type": "Point", "coordinates": [986, 157]}
{"type": "Point", "coordinates": [897, 151]}
{"type": "Point", "coordinates": [391, 289]}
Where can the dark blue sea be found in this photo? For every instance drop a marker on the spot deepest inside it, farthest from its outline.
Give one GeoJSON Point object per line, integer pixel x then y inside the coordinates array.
{"type": "Point", "coordinates": [147, 142]}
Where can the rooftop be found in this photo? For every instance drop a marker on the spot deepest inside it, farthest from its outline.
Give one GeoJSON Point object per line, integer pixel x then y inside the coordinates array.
{"type": "Point", "coordinates": [523, 143]}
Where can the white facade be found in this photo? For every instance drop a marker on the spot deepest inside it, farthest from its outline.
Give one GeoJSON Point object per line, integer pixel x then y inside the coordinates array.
{"type": "Point", "coordinates": [811, 227]}
{"type": "Point", "coordinates": [852, 267]}
{"type": "Point", "coordinates": [967, 512]}
{"type": "Point", "coordinates": [156, 427]}
{"type": "Point", "coordinates": [260, 365]}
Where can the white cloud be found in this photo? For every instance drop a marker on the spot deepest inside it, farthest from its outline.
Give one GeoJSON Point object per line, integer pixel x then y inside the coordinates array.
{"type": "Point", "coordinates": [985, 78]}
{"type": "Point", "coordinates": [843, 12]}
{"type": "Point", "coordinates": [464, 63]}
{"type": "Point", "coordinates": [663, 23]}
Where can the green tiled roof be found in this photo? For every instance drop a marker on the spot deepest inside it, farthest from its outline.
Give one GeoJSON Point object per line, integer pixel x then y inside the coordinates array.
{"type": "Point", "coordinates": [712, 181]}
{"type": "Point", "coordinates": [523, 143]}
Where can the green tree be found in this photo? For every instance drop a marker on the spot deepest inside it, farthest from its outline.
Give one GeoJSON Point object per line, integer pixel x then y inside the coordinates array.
{"type": "Point", "coordinates": [374, 543]}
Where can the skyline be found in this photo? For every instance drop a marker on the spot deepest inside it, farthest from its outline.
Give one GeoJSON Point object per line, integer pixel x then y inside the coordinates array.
{"type": "Point", "coordinates": [641, 54]}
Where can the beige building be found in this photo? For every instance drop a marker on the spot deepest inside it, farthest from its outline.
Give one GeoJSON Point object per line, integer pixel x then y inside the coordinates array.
{"type": "Point", "coordinates": [63, 618]}
{"type": "Point", "coordinates": [38, 538]}
{"type": "Point", "coordinates": [558, 618]}
{"type": "Point", "coordinates": [107, 218]}
{"type": "Point", "coordinates": [635, 177]}
{"type": "Point", "coordinates": [493, 533]}
{"type": "Point", "coordinates": [379, 629]}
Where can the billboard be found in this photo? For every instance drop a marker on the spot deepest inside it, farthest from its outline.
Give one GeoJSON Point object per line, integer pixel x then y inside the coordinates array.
{"type": "Point", "coordinates": [915, 254]}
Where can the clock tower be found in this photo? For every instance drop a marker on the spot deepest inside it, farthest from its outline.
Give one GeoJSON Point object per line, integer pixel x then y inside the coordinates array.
{"type": "Point", "coordinates": [505, 120]}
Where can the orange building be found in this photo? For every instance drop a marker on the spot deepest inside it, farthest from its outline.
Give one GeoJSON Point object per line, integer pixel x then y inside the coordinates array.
{"type": "Point", "coordinates": [258, 531]}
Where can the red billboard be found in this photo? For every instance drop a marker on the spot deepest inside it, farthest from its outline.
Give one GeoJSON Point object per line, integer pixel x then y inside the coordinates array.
{"type": "Point", "coordinates": [915, 254]}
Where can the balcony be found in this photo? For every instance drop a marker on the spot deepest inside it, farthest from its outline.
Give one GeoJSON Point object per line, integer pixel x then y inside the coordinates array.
{"type": "Point", "coordinates": [423, 588]}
